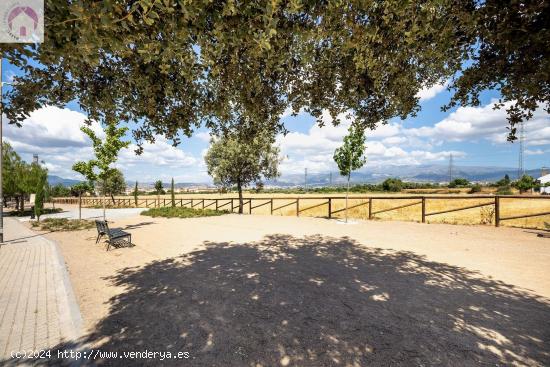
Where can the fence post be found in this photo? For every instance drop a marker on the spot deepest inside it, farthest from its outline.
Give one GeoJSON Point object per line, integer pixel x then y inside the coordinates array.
{"type": "Point", "coordinates": [370, 207]}
{"type": "Point", "coordinates": [271, 206]}
{"type": "Point", "coordinates": [298, 207]}
{"type": "Point", "coordinates": [423, 209]}
{"type": "Point", "coordinates": [203, 203]}
{"type": "Point", "coordinates": [231, 205]}
{"type": "Point", "coordinates": [216, 204]}
{"type": "Point", "coordinates": [329, 208]}
{"type": "Point", "coordinates": [250, 206]}
{"type": "Point", "coordinates": [497, 211]}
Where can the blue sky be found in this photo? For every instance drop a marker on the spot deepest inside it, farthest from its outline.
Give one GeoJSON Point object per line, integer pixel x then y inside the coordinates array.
{"type": "Point", "coordinates": [476, 136]}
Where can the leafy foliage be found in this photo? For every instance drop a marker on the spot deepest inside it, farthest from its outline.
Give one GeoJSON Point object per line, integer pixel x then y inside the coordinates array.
{"type": "Point", "coordinates": [136, 194]}
{"type": "Point", "coordinates": [42, 181]}
{"type": "Point", "coordinates": [180, 212]}
{"type": "Point", "coordinates": [236, 160]}
{"type": "Point", "coordinates": [158, 187]}
{"type": "Point", "coordinates": [351, 155]}
{"type": "Point", "coordinates": [106, 152]}
{"type": "Point", "coordinates": [459, 182]}
{"type": "Point", "coordinates": [392, 185]}
{"type": "Point", "coordinates": [114, 184]}
{"type": "Point", "coordinates": [172, 193]}
{"type": "Point", "coordinates": [525, 183]}
{"type": "Point", "coordinates": [169, 65]}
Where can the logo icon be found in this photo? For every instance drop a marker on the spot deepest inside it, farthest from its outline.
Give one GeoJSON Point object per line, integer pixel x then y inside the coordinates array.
{"type": "Point", "coordinates": [22, 21]}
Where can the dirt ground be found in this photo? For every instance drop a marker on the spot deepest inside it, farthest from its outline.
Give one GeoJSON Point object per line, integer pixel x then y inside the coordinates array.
{"type": "Point", "coordinates": [267, 291]}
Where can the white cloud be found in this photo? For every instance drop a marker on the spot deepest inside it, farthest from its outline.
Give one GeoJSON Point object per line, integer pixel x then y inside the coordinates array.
{"type": "Point", "coordinates": [484, 123]}
{"type": "Point", "coordinates": [427, 93]}
{"type": "Point", "coordinates": [389, 144]}
{"type": "Point", "coordinates": [161, 153]}
{"type": "Point", "coordinates": [534, 152]}
{"type": "Point", "coordinates": [203, 136]}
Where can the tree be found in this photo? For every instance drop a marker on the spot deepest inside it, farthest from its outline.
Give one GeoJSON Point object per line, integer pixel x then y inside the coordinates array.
{"type": "Point", "coordinates": [99, 169]}
{"type": "Point", "coordinates": [12, 167]}
{"type": "Point", "coordinates": [351, 155]}
{"type": "Point", "coordinates": [525, 183]}
{"type": "Point", "coordinates": [159, 190]}
{"type": "Point", "coordinates": [504, 182]}
{"type": "Point", "coordinates": [59, 190]}
{"type": "Point", "coordinates": [136, 192]}
{"type": "Point", "coordinates": [459, 182]}
{"type": "Point", "coordinates": [172, 194]}
{"type": "Point", "coordinates": [79, 189]}
{"type": "Point", "coordinates": [42, 181]}
{"type": "Point", "coordinates": [392, 184]}
{"type": "Point", "coordinates": [235, 160]}
{"type": "Point", "coordinates": [170, 65]}
{"type": "Point", "coordinates": [113, 185]}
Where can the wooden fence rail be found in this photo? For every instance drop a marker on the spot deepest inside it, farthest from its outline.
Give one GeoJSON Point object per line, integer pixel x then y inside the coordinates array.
{"type": "Point", "coordinates": [233, 203]}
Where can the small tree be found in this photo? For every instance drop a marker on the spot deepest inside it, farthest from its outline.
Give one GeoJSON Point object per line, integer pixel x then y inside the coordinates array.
{"type": "Point", "coordinates": [392, 184]}
{"type": "Point", "coordinates": [459, 182]}
{"type": "Point", "coordinates": [106, 153]}
{"type": "Point", "coordinates": [113, 185]}
{"type": "Point", "coordinates": [159, 189]}
{"type": "Point", "coordinates": [172, 195]}
{"type": "Point", "coordinates": [136, 193]}
{"type": "Point", "coordinates": [525, 183]}
{"type": "Point", "coordinates": [239, 160]}
{"type": "Point", "coordinates": [351, 155]}
{"type": "Point", "coordinates": [42, 181]}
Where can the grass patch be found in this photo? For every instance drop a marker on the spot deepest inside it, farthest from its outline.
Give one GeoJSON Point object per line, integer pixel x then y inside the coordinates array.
{"type": "Point", "coordinates": [62, 224]}
{"type": "Point", "coordinates": [179, 212]}
{"type": "Point", "coordinates": [29, 212]}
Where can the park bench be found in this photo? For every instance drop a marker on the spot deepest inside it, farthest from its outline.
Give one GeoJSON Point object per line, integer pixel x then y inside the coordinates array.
{"type": "Point", "coordinates": [115, 236]}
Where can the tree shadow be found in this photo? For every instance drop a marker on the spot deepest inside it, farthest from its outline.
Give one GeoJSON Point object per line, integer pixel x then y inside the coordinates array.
{"type": "Point", "coordinates": [319, 301]}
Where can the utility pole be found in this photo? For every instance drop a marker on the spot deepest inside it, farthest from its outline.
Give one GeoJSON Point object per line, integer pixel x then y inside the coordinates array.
{"type": "Point", "coordinates": [521, 169]}
{"type": "Point", "coordinates": [450, 167]}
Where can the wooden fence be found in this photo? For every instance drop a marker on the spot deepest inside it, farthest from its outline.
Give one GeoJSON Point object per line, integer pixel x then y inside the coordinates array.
{"type": "Point", "coordinates": [300, 204]}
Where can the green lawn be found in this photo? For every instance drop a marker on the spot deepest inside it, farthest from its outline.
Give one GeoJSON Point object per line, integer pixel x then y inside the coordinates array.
{"type": "Point", "coordinates": [179, 212]}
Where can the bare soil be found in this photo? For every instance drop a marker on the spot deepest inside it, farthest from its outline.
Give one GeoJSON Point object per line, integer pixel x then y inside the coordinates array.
{"type": "Point", "coordinates": [268, 290]}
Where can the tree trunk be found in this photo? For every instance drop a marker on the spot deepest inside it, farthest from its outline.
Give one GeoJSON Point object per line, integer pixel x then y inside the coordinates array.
{"type": "Point", "coordinates": [240, 189]}
{"type": "Point", "coordinates": [113, 199]}
{"type": "Point", "coordinates": [347, 194]}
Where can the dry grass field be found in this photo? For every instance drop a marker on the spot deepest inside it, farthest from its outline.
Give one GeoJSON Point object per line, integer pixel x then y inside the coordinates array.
{"type": "Point", "coordinates": [284, 205]}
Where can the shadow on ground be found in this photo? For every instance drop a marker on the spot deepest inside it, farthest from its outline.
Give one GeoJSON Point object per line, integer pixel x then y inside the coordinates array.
{"type": "Point", "coordinates": [320, 301]}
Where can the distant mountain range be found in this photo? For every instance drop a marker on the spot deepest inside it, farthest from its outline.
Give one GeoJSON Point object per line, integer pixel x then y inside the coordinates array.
{"type": "Point", "coordinates": [421, 173]}
{"type": "Point", "coordinates": [56, 180]}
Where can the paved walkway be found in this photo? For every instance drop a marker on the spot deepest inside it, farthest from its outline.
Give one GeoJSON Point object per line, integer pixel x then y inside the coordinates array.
{"type": "Point", "coordinates": [71, 212]}
{"type": "Point", "coordinates": [37, 307]}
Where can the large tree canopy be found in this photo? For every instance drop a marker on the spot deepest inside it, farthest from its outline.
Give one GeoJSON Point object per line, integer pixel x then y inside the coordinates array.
{"type": "Point", "coordinates": [171, 65]}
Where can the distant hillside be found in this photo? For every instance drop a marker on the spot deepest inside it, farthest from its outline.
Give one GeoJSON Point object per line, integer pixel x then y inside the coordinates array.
{"type": "Point", "coordinates": [55, 180]}
{"type": "Point", "coordinates": [421, 173]}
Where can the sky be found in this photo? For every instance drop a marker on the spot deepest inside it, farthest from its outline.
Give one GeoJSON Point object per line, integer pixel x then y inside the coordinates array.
{"type": "Point", "coordinates": [475, 136]}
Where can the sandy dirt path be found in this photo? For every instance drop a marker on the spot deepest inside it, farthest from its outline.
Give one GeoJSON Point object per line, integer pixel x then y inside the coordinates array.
{"type": "Point", "coordinates": [262, 290]}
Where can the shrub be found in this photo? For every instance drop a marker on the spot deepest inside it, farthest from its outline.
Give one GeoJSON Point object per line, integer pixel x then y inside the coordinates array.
{"type": "Point", "coordinates": [62, 224]}
{"type": "Point", "coordinates": [179, 212]}
{"type": "Point", "coordinates": [504, 190]}
{"type": "Point", "coordinates": [392, 184]}
{"type": "Point", "coordinates": [475, 188]}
